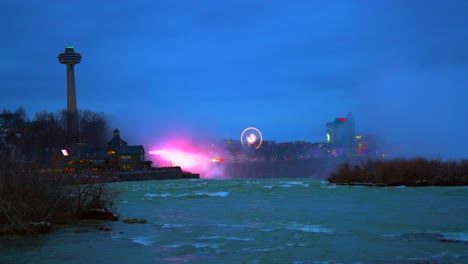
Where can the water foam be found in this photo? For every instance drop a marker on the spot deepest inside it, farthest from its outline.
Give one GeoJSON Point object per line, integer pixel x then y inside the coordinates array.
{"type": "Point", "coordinates": [194, 245]}
{"type": "Point", "coordinates": [149, 196]}
{"type": "Point", "coordinates": [204, 194]}
{"type": "Point", "coordinates": [163, 195]}
{"type": "Point", "coordinates": [310, 228]}
{"type": "Point", "coordinates": [173, 225]}
{"type": "Point", "coordinates": [456, 237]}
{"type": "Point", "coordinates": [218, 194]}
{"type": "Point", "coordinates": [144, 241]}
{"type": "Point", "coordinates": [288, 184]}
{"type": "Point", "coordinates": [294, 182]}
{"type": "Point", "coordinates": [225, 238]}
{"type": "Point", "coordinates": [331, 186]}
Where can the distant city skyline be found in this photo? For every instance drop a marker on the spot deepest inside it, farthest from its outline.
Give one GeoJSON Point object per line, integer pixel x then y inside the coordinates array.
{"type": "Point", "coordinates": [160, 69]}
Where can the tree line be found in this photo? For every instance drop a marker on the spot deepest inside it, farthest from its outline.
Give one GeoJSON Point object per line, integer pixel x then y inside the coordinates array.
{"type": "Point", "coordinates": [48, 130]}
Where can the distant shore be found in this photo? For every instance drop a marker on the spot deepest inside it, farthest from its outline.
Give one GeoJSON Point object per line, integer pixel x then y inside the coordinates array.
{"type": "Point", "coordinates": [397, 172]}
{"type": "Point", "coordinates": [163, 173]}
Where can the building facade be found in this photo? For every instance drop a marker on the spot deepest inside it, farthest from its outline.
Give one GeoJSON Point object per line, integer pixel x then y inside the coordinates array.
{"type": "Point", "coordinates": [119, 155]}
{"type": "Point", "coordinates": [341, 133]}
{"type": "Point", "coordinates": [116, 155]}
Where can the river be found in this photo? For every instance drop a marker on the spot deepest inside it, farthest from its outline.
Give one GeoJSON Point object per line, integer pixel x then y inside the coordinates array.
{"type": "Point", "coordinates": [264, 221]}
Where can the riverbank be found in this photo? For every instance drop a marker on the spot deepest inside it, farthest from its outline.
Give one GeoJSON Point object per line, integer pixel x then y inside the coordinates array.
{"type": "Point", "coordinates": [34, 202]}
{"type": "Point", "coordinates": [397, 172]}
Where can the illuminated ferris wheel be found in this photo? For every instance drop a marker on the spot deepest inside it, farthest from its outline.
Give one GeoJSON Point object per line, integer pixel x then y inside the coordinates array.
{"type": "Point", "coordinates": [251, 137]}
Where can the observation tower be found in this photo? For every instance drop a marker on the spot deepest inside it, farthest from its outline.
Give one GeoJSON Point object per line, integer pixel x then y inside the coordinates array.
{"type": "Point", "coordinates": [70, 58]}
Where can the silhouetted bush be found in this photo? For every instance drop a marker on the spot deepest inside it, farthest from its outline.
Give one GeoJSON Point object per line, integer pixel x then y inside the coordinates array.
{"type": "Point", "coordinates": [410, 172]}
{"type": "Point", "coordinates": [28, 201]}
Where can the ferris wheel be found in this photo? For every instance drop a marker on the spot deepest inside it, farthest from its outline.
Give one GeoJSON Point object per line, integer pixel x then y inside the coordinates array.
{"type": "Point", "coordinates": [251, 137]}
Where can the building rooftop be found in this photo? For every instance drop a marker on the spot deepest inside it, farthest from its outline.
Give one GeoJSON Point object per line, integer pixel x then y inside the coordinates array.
{"type": "Point", "coordinates": [121, 147]}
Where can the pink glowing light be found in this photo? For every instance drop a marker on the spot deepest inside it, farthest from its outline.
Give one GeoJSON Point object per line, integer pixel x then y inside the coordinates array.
{"type": "Point", "coordinates": [157, 152]}
{"type": "Point", "coordinates": [178, 157]}
{"type": "Point", "coordinates": [190, 158]}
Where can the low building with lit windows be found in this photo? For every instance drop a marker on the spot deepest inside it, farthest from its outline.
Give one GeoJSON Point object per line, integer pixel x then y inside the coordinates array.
{"type": "Point", "coordinates": [116, 155]}
{"type": "Point", "coordinates": [119, 155]}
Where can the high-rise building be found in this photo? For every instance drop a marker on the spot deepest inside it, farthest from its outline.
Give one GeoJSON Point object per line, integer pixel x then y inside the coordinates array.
{"type": "Point", "coordinates": [341, 133]}
{"type": "Point", "coordinates": [70, 58]}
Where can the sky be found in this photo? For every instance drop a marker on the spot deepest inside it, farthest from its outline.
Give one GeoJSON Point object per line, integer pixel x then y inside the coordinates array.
{"type": "Point", "coordinates": [211, 68]}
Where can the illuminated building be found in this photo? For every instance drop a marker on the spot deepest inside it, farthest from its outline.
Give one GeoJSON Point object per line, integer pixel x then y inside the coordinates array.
{"type": "Point", "coordinates": [361, 146]}
{"type": "Point", "coordinates": [117, 155]}
{"type": "Point", "coordinates": [341, 133]}
{"type": "Point", "coordinates": [70, 58]}
{"type": "Point", "coordinates": [121, 156]}
{"type": "Point", "coordinates": [367, 144]}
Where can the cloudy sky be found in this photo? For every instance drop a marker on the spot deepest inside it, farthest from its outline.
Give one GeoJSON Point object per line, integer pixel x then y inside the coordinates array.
{"type": "Point", "coordinates": [211, 68]}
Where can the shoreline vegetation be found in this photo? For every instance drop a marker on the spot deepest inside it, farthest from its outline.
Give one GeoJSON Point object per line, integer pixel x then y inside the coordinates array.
{"type": "Point", "coordinates": [32, 203]}
{"type": "Point", "coordinates": [416, 172]}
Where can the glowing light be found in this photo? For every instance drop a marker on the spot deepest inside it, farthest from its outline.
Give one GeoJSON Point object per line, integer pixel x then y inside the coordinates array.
{"type": "Point", "coordinates": [251, 139]}
{"type": "Point", "coordinates": [341, 119]}
{"type": "Point", "coordinates": [177, 157]}
{"type": "Point", "coordinates": [328, 137]}
{"type": "Point", "coordinates": [157, 152]}
{"type": "Point", "coordinates": [65, 152]}
{"type": "Point", "coordinates": [218, 160]}
{"type": "Point", "coordinates": [251, 136]}
{"type": "Point", "coordinates": [192, 158]}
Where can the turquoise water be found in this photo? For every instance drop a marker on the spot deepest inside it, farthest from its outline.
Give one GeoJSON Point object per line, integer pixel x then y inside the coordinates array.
{"type": "Point", "coordinates": [264, 221]}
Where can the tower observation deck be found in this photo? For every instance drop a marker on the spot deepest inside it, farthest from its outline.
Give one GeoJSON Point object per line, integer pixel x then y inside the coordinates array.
{"type": "Point", "coordinates": [70, 58]}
